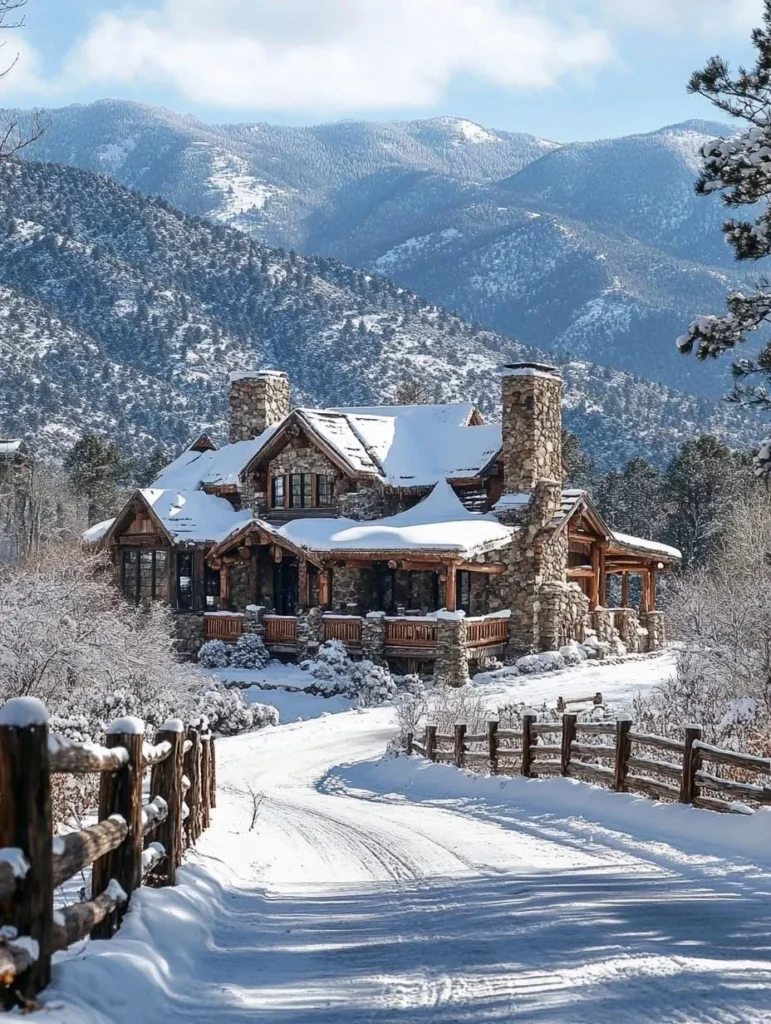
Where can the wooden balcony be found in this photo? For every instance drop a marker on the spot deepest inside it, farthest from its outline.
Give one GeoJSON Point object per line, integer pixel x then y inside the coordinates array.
{"type": "Point", "coordinates": [280, 631]}
{"type": "Point", "coordinates": [223, 627]}
{"type": "Point", "coordinates": [346, 628]}
{"type": "Point", "coordinates": [487, 632]}
{"type": "Point", "coordinates": [404, 633]}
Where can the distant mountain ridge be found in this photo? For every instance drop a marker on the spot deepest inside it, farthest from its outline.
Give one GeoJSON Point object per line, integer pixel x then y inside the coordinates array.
{"type": "Point", "coordinates": [121, 313]}
{"type": "Point", "coordinates": [592, 249]}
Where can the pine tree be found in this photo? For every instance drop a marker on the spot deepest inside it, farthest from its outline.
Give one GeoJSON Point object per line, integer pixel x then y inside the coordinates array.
{"type": "Point", "coordinates": [739, 168]}
{"type": "Point", "coordinates": [94, 466]}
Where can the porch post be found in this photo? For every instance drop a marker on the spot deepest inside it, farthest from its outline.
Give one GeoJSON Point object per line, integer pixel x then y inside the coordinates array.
{"type": "Point", "coordinates": [303, 588]}
{"type": "Point", "coordinates": [325, 589]}
{"type": "Point", "coordinates": [225, 586]}
{"type": "Point", "coordinates": [594, 579]}
{"type": "Point", "coordinates": [645, 580]}
{"type": "Point", "coordinates": [602, 597]}
{"type": "Point", "coordinates": [652, 587]}
{"type": "Point", "coordinates": [624, 590]}
{"type": "Point", "coordinates": [451, 590]}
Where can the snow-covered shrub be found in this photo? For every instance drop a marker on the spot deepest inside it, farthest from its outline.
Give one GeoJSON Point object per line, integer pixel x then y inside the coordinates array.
{"type": "Point", "coordinates": [448, 705]}
{"type": "Point", "coordinates": [335, 672]}
{"type": "Point", "coordinates": [249, 652]}
{"type": "Point", "coordinates": [229, 714]}
{"type": "Point", "coordinates": [547, 661]}
{"type": "Point", "coordinates": [410, 684]}
{"type": "Point", "coordinates": [214, 654]}
{"type": "Point", "coordinates": [573, 654]}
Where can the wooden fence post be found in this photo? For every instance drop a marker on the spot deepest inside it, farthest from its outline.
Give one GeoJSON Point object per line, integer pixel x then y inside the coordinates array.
{"type": "Point", "coordinates": [460, 732]}
{"type": "Point", "coordinates": [166, 782]}
{"type": "Point", "coordinates": [527, 738]}
{"type": "Point", "coordinates": [623, 752]}
{"type": "Point", "coordinates": [492, 745]}
{"type": "Point", "coordinates": [213, 772]}
{"type": "Point", "coordinates": [120, 793]}
{"type": "Point", "coordinates": [569, 720]}
{"type": "Point", "coordinates": [691, 764]}
{"type": "Point", "coordinates": [25, 823]}
{"type": "Point", "coordinates": [193, 772]}
{"type": "Point", "coordinates": [431, 742]}
{"type": "Point", "coordinates": [408, 744]}
{"type": "Point", "coordinates": [205, 781]}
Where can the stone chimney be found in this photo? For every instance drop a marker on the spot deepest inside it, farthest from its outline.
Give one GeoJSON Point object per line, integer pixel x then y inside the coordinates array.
{"type": "Point", "coordinates": [258, 399]}
{"type": "Point", "coordinates": [531, 424]}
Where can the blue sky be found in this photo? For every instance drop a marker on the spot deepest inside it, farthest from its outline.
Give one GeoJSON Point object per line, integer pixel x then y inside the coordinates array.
{"type": "Point", "coordinates": [562, 69]}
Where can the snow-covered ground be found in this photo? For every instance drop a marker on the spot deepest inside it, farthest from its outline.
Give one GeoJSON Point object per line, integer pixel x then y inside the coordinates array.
{"type": "Point", "coordinates": [386, 889]}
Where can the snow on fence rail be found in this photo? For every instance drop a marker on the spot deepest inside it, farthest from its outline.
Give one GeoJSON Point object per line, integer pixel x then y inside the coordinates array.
{"type": "Point", "coordinates": [609, 754]}
{"type": "Point", "coordinates": [130, 846]}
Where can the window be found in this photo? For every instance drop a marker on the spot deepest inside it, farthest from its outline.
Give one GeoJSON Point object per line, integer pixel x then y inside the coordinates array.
{"type": "Point", "coordinates": [143, 574]}
{"type": "Point", "coordinates": [184, 582]}
{"type": "Point", "coordinates": [326, 491]}
{"type": "Point", "coordinates": [212, 588]}
{"type": "Point", "coordinates": [277, 492]}
{"type": "Point", "coordinates": [463, 584]}
{"type": "Point", "coordinates": [301, 490]}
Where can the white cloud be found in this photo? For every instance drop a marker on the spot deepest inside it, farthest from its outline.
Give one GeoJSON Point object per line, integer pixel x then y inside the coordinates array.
{"type": "Point", "coordinates": [704, 18]}
{"type": "Point", "coordinates": [333, 55]}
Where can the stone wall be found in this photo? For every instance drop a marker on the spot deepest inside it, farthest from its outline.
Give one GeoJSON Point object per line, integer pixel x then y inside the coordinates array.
{"type": "Point", "coordinates": [310, 633]}
{"type": "Point", "coordinates": [654, 623]}
{"type": "Point", "coordinates": [373, 637]}
{"type": "Point", "coordinates": [345, 588]}
{"type": "Point", "coordinates": [258, 399]}
{"type": "Point", "coordinates": [562, 612]}
{"type": "Point", "coordinates": [627, 625]}
{"type": "Point", "coordinates": [532, 427]}
{"type": "Point", "coordinates": [299, 456]}
{"type": "Point", "coordinates": [188, 627]}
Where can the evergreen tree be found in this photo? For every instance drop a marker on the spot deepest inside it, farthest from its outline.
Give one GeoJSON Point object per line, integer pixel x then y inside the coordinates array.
{"type": "Point", "coordinates": [94, 466]}
{"type": "Point", "coordinates": [579, 465]}
{"type": "Point", "coordinates": [150, 469]}
{"type": "Point", "coordinates": [631, 500]}
{"type": "Point", "coordinates": [700, 485]}
{"type": "Point", "coordinates": [739, 168]}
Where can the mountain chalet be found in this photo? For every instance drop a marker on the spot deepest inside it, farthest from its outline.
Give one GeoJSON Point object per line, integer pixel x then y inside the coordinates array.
{"type": "Point", "coordinates": [419, 535]}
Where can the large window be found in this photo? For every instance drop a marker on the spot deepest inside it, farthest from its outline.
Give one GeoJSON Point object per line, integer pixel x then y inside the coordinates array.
{"type": "Point", "coordinates": [301, 490]}
{"type": "Point", "coordinates": [326, 491]}
{"type": "Point", "coordinates": [143, 574]}
{"type": "Point", "coordinates": [212, 588]}
{"type": "Point", "coordinates": [185, 581]}
{"type": "Point", "coordinates": [277, 492]}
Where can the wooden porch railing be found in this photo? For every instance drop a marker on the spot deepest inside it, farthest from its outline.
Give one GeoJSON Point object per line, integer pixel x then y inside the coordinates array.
{"type": "Point", "coordinates": [487, 631]}
{"type": "Point", "coordinates": [347, 629]}
{"type": "Point", "coordinates": [403, 633]}
{"type": "Point", "coordinates": [280, 629]}
{"type": "Point", "coordinates": [223, 627]}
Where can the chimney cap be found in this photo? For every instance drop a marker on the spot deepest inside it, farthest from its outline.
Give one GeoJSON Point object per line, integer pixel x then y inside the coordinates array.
{"type": "Point", "coordinates": [257, 375]}
{"type": "Point", "coordinates": [531, 369]}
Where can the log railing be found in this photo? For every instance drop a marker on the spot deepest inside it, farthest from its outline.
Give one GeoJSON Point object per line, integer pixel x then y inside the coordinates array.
{"type": "Point", "coordinates": [607, 754]}
{"type": "Point", "coordinates": [223, 627]}
{"type": "Point", "coordinates": [481, 632]}
{"type": "Point", "coordinates": [280, 629]}
{"type": "Point", "coordinates": [345, 628]}
{"type": "Point", "coordinates": [130, 846]}
{"type": "Point", "coordinates": [408, 633]}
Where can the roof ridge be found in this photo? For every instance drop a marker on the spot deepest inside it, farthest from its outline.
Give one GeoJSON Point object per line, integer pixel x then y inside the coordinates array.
{"type": "Point", "coordinates": [367, 448]}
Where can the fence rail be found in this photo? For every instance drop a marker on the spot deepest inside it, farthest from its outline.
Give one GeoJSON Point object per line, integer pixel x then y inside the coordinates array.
{"type": "Point", "coordinates": [403, 633]}
{"type": "Point", "coordinates": [481, 632]}
{"type": "Point", "coordinates": [628, 764]}
{"type": "Point", "coordinates": [345, 628]}
{"type": "Point", "coordinates": [223, 627]}
{"type": "Point", "coordinates": [131, 845]}
{"type": "Point", "coordinates": [280, 629]}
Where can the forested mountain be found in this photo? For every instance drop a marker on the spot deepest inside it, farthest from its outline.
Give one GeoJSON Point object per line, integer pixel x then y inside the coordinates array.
{"type": "Point", "coordinates": [599, 250]}
{"type": "Point", "coordinates": [123, 313]}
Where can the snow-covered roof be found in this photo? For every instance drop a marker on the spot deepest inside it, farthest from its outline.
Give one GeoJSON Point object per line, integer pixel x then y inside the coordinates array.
{"type": "Point", "coordinates": [438, 523]}
{"type": "Point", "coordinates": [418, 445]}
{"type": "Point", "coordinates": [192, 469]}
{"type": "Point", "coordinates": [10, 446]}
{"type": "Point", "coordinates": [195, 516]}
{"type": "Point", "coordinates": [97, 531]}
{"type": "Point", "coordinates": [640, 544]}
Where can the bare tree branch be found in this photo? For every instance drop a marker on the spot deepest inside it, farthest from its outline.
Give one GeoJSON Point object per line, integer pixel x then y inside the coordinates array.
{"type": "Point", "coordinates": [19, 131]}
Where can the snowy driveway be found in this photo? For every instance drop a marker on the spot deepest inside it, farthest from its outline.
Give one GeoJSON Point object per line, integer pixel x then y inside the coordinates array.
{"type": "Point", "coordinates": [401, 891]}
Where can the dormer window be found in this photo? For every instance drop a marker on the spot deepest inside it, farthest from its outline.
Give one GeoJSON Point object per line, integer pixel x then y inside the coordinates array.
{"type": "Point", "coordinates": [300, 490]}
{"type": "Point", "coordinates": [277, 492]}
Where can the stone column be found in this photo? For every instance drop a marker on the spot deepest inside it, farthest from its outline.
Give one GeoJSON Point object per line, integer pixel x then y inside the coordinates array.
{"type": "Point", "coordinates": [258, 399]}
{"type": "Point", "coordinates": [373, 637]}
{"type": "Point", "coordinates": [189, 629]}
{"type": "Point", "coordinates": [310, 633]}
{"type": "Point", "coordinates": [654, 623]}
{"type": "Point", "coordinates": [603, 624]}
{"type": "Point", "coordinates": [451, 665]}
{"type": "Point", "coordinates": [254, 620]}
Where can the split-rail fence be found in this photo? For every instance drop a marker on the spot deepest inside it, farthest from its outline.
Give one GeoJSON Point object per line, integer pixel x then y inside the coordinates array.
{"type": "Point", "coordinates": [133, 844]}
{"type": "Point", "coordinates": [609, 754]}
